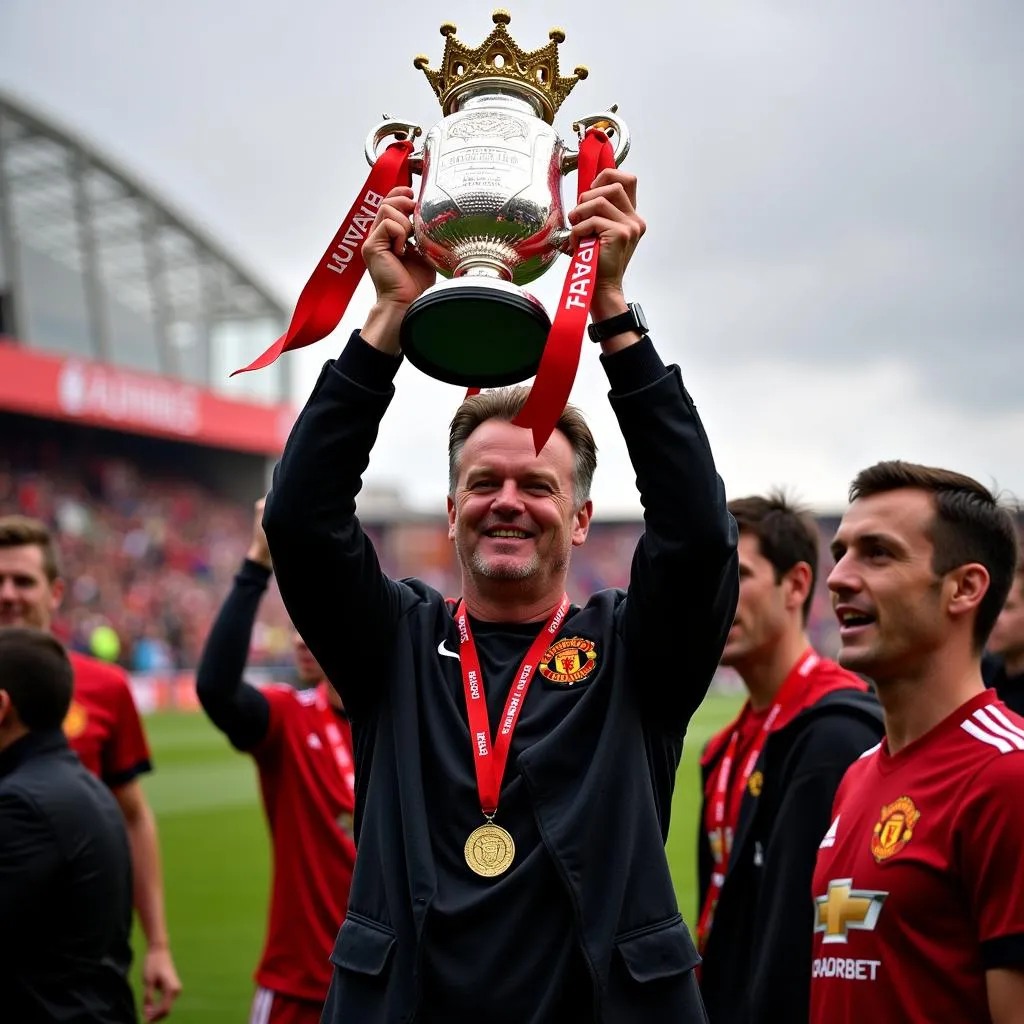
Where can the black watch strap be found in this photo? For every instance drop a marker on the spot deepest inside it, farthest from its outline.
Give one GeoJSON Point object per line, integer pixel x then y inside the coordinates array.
{"type": "Point", "coordinates": [632, 320]}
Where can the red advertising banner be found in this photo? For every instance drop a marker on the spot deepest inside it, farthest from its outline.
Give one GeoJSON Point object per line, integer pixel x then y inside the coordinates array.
{"type": "Point", "coordinates": [83, 391]}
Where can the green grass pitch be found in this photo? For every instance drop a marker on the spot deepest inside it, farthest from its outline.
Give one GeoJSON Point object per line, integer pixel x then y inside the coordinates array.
{"type": "Point", "coordinates": [216, 855]}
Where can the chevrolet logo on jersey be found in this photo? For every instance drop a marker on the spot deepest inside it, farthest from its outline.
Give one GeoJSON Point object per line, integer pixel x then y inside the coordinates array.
{"type": "Point", "coordinates": [844, 909]}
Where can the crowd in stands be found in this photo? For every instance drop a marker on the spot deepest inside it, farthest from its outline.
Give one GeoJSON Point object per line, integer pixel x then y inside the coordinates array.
{"type": "Point", "coordinates": [147, 559]}
{"type": "Point", "coordinates": [149, 555]}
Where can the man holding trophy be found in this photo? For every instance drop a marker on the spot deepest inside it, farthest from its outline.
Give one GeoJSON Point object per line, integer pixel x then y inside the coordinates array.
{"type": "Point", "coordinates": [515, 752]}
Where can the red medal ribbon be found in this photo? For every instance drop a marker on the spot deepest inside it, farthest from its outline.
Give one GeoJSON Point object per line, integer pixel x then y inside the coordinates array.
{"type": "Point", "coordinates": [721, 840]}
{"type": "Point", "coordinates": [332, 284]}
{"type": "Point", "coordinates": [342, 755]}
{"type": "Point", "coordinates": [489, 758]}
{"type": "Point", "coordinates": [561, 356]}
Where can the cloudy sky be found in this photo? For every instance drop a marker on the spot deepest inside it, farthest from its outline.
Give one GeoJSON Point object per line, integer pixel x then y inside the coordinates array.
{"type": "Point", "coordinates": [835, 251]}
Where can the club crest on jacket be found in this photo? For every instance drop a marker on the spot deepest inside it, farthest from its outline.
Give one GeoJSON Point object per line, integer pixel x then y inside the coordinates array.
{"type": "Point", "coordinates": [569, 661]}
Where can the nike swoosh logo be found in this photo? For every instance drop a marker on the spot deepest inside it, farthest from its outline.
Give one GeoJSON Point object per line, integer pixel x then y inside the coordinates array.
{"type": "Point", "coordinates": [444, 652]}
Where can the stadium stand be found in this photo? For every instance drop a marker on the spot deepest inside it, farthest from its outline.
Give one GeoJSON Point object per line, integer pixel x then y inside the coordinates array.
{"type": "Point", "coordinates": [119, 323]}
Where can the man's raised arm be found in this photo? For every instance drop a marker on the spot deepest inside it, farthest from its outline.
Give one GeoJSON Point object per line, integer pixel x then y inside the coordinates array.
{"type": "Point", "coordinates": [338, 598]}
{"type": "Point", "coordinates": [237, 708]}
{"type": "Point", "coordinates": [684, 582]}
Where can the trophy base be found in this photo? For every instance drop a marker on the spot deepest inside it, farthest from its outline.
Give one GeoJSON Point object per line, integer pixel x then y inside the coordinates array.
{"type": "Point", "coordinates": [475, 332]}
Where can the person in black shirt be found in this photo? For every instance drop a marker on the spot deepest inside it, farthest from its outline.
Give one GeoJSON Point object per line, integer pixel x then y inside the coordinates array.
{"type": "Point", "coordinates": [1003, 664]}
{"type": "Point", "coordinates": [515, 752]}
{"type": "Point", "coordinates": [65, 865]}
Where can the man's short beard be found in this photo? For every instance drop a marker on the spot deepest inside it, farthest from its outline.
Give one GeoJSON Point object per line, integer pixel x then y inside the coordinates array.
{"type": "Point", "coordinates": [500, 570]}
{"type": "Point", "coordinates": [484, 567]}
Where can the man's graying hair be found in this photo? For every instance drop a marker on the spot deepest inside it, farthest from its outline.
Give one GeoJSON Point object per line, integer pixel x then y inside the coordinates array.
{"type": "Point", "coordinates": [505, 404]}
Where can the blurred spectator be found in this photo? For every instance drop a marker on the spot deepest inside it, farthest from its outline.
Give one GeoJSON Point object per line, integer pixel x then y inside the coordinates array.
{"type": "Point", "coordinates": [1003, 665]}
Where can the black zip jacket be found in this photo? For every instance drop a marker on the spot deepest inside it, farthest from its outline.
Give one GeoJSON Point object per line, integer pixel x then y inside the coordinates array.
{"type": "Point", "coordinates": [757, 961]}
{"type": "Point", "coordinates": [599, 784]}
{"type": "Point", "coordinates": [65, 890]}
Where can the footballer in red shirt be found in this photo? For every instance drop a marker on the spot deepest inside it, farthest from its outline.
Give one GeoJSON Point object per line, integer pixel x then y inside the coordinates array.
{"type": "Point", "coordinates": [104, 729]}
{"type": "Point", "coordinates": [919, 904]}
{"type": "Point", "coordinates": [102, 724]}
{"type": "Point", "coordinates": [302, 745]}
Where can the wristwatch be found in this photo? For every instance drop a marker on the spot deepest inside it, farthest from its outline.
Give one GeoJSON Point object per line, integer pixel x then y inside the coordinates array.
{"type": "Point", "coordinates": [632, 320]}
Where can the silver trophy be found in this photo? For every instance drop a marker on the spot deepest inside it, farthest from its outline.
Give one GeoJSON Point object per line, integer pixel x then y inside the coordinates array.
{"type": "Point", "coordinates": [489, 216]}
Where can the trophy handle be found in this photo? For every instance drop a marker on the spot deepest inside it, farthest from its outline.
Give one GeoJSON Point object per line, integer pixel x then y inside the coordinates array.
{"type": "Point", "coordinates": [400, 130]}
{"type": "Point", "coordinates": [608, 122]}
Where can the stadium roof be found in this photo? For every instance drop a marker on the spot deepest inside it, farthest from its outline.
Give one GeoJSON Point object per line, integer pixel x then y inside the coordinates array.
{"type": "Point", "coordinates": [153, 289]}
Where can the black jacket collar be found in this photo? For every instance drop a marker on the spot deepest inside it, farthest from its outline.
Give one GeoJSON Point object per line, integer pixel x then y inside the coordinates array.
{"type": "Point", "coordinates": [34, 744]}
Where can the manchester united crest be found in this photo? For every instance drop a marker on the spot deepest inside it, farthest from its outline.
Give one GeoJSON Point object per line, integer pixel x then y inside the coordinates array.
{"type": "Point", "coordinates": [75, 720]}
{"type": "Point", "coordinates": [755, 783]}
{"type": "Point", "coordinates": [569, 661]}
{"type": "Point", "coordinates": [894, 828]}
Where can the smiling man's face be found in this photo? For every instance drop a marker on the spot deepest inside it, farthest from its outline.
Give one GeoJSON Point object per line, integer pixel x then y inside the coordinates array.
{"type": "Point", "coordinates": [513, 516]}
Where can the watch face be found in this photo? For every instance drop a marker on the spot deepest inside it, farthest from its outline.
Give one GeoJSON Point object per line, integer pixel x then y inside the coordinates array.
{"type": "Point", "coordinates": [640, 318]}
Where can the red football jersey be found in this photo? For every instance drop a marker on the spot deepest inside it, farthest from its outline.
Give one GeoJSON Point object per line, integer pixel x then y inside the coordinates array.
{"type": "Point", "coordinates": [917, 884]}
{"type": "Point", "coordinates": [308, 800]}
{"type": "Point", "coordinates": [102, 725]}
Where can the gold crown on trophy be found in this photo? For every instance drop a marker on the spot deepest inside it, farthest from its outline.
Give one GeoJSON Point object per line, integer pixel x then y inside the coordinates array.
{"type": "Point", "coordinates": [500, 57]}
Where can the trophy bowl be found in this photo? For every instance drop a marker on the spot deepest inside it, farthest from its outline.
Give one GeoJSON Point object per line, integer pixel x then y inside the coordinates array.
{"type": "Point", "coordinates": [489, 215]}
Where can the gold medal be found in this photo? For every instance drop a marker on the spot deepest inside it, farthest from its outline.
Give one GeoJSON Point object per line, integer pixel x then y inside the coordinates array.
{"type": "Point", "coordinates": [489, 850]}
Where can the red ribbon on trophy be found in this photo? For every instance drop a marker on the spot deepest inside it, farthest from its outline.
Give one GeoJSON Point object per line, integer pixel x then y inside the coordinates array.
{"type": "Point", "coordinates": [561, 356]}
{"type": "Point", "coordinates": [332, 284]}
